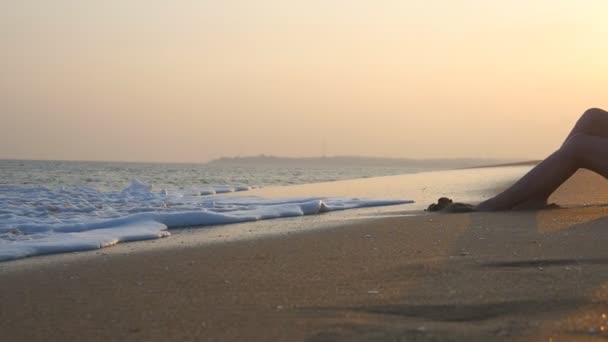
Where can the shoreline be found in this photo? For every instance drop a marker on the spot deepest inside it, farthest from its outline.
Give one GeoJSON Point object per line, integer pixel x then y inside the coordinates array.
{"type": "Point", "coordinates": [523, 276]}
{"type": "Point", "coordinates": [441, 183]}
{"type": "Point", "coordinates": [521, 163]}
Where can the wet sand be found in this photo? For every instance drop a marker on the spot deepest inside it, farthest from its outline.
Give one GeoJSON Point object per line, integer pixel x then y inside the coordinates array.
{"type": "Point", "coordinates": [516, 276]}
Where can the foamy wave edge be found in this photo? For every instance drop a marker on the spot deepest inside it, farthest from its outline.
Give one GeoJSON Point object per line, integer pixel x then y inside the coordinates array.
{"type": "Point", "coordinates": [37, 225]}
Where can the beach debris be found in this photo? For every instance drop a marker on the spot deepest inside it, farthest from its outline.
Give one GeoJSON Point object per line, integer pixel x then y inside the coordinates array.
{"type": "Point", "coordinates": [373, 292]}
{"type": "Point", "coordinates": [447, 205]}
{"type": "Point", "coordinates": [368, 236]}
{"type": "Point", "coordinates": [280, 307]}
{"type": "Point", "coordinates": [441, 204]}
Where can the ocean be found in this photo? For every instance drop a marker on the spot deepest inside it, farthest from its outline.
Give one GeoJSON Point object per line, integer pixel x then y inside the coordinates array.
{"type": "Point", "coordinates": [56, 207]}
{"type": "Point", "coordinates": [109, 176]}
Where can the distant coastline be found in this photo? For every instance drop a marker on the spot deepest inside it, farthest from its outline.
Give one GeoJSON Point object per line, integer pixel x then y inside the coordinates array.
{"type": "Point", "coordinates": [332, 161]}
{"type": "Point", "coordinates": [357, 161]}
{"type": "Point", "coordinates": [520, 163]}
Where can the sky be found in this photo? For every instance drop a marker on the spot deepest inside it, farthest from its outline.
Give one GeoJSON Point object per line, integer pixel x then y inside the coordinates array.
{"type": "Point", "coordinates": [189, 81]}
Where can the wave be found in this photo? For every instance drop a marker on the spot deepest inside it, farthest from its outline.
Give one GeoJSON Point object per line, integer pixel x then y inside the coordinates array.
{"type": "Point", "coordinates": [39, 220]}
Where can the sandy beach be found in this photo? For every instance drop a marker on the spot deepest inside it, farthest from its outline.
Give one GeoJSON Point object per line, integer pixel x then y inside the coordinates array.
{"type": "Point", "coordinates": [516, 276]}
{"type": "Point", "coordinates": [264, 171]}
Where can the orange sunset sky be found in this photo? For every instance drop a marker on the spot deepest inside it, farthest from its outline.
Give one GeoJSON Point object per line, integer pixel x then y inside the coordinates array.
{"type": "Point", "coordinates": [187, 81]}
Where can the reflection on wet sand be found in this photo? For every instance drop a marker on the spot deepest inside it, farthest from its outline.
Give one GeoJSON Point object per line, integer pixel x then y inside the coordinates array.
{"type": "Point", "coordinates": [529, 276]}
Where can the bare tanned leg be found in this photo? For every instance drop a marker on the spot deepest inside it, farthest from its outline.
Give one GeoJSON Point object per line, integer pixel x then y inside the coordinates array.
{"type": "Point", "coordinates": [586, 147]}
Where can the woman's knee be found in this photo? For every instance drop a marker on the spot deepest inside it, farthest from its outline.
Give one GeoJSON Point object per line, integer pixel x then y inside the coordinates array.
{"type": "Point", "coordinates": [593, 116]}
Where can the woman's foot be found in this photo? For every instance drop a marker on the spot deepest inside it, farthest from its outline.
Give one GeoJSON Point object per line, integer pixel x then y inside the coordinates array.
{"type": "Point", "coordinates": [490, 205]}
{"type": "Point", "coordinates": [535, 204]}
{"type": "Point", "coordinates": [531, 204]}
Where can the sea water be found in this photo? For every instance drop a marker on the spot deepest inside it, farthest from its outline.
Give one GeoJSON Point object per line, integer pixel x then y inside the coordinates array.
{"type": "Point", "coordinates": [56, 207]}
{"type": "Point", "coordinates": [113, 176]}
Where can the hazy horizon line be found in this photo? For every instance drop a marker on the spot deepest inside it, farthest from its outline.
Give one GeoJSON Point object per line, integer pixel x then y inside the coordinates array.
{"type": "Point", "coordinates": [263, 156]}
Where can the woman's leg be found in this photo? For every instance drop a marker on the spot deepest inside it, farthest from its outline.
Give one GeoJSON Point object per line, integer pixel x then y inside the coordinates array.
{"type": "Point", "coordinates": [593, 122]}
{"type": "Point", "coordinates": [579, 151]}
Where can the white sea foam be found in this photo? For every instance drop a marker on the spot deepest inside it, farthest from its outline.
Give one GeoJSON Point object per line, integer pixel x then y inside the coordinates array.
{"type": "Point", "coordinates": [39, 220]}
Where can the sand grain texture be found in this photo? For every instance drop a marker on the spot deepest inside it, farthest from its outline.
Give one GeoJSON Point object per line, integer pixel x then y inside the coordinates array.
{"type": "Point", "coordinates": [516, 276]}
